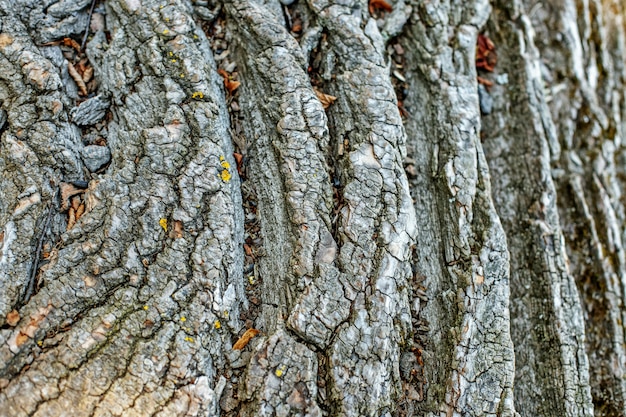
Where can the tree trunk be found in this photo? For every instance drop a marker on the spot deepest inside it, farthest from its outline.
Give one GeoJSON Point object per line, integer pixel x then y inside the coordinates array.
{"type": "Point", "coordinates": [315, 209]}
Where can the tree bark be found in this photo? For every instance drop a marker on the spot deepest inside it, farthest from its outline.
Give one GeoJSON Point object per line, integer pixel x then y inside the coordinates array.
{"type": "Point", "coordinates": [312, 208]}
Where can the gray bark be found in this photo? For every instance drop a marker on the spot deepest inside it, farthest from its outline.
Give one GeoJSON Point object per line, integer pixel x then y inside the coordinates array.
{"type": "Point", "coordinates": [418, 244]}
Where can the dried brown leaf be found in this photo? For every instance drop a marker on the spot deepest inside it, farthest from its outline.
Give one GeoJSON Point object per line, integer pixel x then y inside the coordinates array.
{"type": "Point", "coordinates": [67, 191]}
{"type": "Point", "coordinates": [77, 78]}
{"type": "Point", "coordinates": [245, 339]}
{"type": "Point", "coordinates": [75, 202]}
{"type": "Point", "coordinates": [325, 99]}
{"type": "Point", "coordinates": [230, 84]}
{"type": "Point", "coordinates": [71, 218]}
{"type": "Point", "coordinates": [80, 211]}
{"type": "Point", "coordinates": [376, 5]}
{"type": "Point", "coordinates": [178, 229]}
{"type": "Point", "coordinates": [71, 43]}
{"type": "Point", "coordinates": [486, 57]}
{"type": "Point", "coordinates": [88, 74]}
{"type": "Point", "coordinates": [20, 339]}
{"type": "Point", "coordinates": [239, 159]}
{"type": "Point", "coordinates": [13, 318]}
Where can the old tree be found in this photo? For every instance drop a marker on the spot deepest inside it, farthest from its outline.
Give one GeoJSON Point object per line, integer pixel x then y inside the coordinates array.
{"type": "Point", "coordinates": [393, 208]}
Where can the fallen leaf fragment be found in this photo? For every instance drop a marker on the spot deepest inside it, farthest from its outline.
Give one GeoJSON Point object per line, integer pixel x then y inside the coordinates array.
{"type": "Point", "coordinates": [376, 5]}
{"type": "Point", "coordinates": [325, 99]}
{"type": "Point", "coordinates": [80, 211]}
{"type": "Point", "coordinates": [71, 218]}
{"type": "Point", "coordinates": [230, 85]}
{"type": "Point", "coordinates": [5, 40]}
{"type": "Point", "coordinates": [239, 159]}
{"type": "Point", "coordinates": [71, 43]}
{"type": "Point", "coordinates": [486, 57]}
{"type": "Point", "coordinates": [178, 229]}
{"type": "Point", "coordinates": [87, 74]}
{"type": "Point", "coordinates": [77, 78]}
{"type": "Point", "coordinates": [68, 190]}
{"type": "Point", "coordinates": [20, 339]}
{"type": "Point", "coordinates": [13, 318]}
{"type": "Point", "coordinates": [245, 338]}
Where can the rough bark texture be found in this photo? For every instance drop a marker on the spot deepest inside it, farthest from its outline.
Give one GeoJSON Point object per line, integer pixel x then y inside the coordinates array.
{"type": "Point", "coordinates": [402, 233]}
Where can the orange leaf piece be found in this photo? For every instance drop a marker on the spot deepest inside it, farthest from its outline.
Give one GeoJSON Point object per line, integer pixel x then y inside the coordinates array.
{"type": "Point", "coordinates": [178, 229]}
{"type": "Point", "coordinates": [67, 191]}
{"type": "Point", "coordinates": [71, 43]}
{"type": "Point", "coordinates": [78, 79]}
{"type": "Point", "coordinates": [13, 318]}
{"type": "Point", "coordinates": [239, 159]}
{"type": "Point", "coordinates": [88, 74]}
{"type": "Point", "coordinates": [245, 339]}
{"type": "Point", "coordinates": [375, 5]}
{"type": "Point", "coordinates": [71, 218]}
{"type": "Point", "coordinates": [486, 57]}
{"type": "Point", "coordinates": [20, 339]}
{"type": "Point", "coordinates": [230, 85]}
{"type": "Point", "coordinates": [325, 99]}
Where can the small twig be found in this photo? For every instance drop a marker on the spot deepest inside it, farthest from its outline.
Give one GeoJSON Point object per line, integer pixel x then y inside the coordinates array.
{"type": "Point", "coordinates": [35, 266]}
{"type": "Point", "coordinates": [84, 42]}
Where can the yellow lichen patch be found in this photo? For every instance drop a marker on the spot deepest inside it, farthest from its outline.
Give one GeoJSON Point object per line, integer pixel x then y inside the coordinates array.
{"type": "Point", "coordinates": [40, 343]}
{"type": "Point", "coordinates": [225, 175]}
{"type": "Point", "coordinates": [280, 371]}
{"type": "Point", "coordinates": [183, 319]}
{"type": "Point", "coordinates": [173, 61]}
{"type": "Point", "coordinates": [197, 95]}
{"type": "Point", "coordinates": [163, 223]}
{"type": "Point", "coordinates": [189, 339]}
{"type": "Point", "coordinates": [225, 164]}
{"type": "Point", "coordinates": [165, 31]}
{"type": "Point", "coordinates": [217, 324]}
{"type": "Point", "coordinates": [182, 75]}
{"type": "Point", "coordinates": [251, 279]}
{"type": "Point", "coordinates": [225, 314]}
{"type": "Point", "coordinates": [145, 308]}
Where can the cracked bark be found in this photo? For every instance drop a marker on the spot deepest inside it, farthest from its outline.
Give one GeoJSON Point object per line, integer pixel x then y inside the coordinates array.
{"type": "Point", "coordinates": [405, 254]}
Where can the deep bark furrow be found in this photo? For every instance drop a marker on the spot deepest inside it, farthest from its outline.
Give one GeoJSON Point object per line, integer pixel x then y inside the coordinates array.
{"type": "Point", "coordinates": [552, 371]}
{"type": "Point", "coordinates": [590, 51]}
{"type": "Point", "coordinates": [461, 247]}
